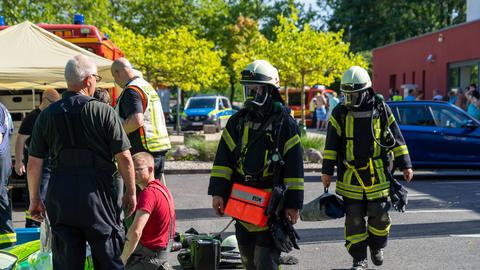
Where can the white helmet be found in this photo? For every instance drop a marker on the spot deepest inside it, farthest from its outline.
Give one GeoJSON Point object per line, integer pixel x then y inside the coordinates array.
{"type": "Point", "coordinates": [258, 79]}
{"type": "Point", "coordinates": [230, 244]}
{"type": "Point", "coordinates": [354, 85]}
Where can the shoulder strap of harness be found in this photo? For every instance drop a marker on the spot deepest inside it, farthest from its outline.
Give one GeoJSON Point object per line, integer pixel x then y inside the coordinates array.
{"type": "Point", "coordinates": [171, 208]}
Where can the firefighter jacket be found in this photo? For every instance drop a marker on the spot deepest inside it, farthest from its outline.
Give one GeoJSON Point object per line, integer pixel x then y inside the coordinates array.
{"type": "Point", "coordinates": [362, 164]}
{"type": "Point", "coordinates": [255, 169]}
{"type": "Point", "coordinates": [153, 133]}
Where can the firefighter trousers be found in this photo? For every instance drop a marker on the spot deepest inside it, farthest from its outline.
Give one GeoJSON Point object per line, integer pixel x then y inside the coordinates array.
{"type": "Point", "coordinates": [360, 234]}
{"type": "Point", "coordinates": [257, 249]}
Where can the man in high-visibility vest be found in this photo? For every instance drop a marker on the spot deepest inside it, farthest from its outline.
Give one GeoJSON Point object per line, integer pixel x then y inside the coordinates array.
{"type": "Point", "coordinates": [360, 134]}
{"type": "Point", "coordinates": [141, 112]}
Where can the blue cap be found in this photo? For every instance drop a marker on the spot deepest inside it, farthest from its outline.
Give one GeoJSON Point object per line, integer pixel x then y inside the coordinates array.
{"type": "Point", "coordinates": [2, 21]}
{"type": "Point", "coordinates": [78, 19]}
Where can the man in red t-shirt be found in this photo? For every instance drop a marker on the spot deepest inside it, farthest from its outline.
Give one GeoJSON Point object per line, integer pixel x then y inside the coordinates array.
{"type": "Point", "coordinates": [147, 243]}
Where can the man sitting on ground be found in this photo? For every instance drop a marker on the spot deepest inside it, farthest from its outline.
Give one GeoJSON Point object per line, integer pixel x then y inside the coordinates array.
{"type": "Point", "coordinates": [147, 243]}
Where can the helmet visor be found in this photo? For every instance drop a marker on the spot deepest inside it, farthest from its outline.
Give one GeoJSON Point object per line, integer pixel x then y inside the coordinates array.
{"type": "Point", "coordinates": [352, 87]}
{"type": "Point", "coordinates": [256, 93]}
{"type": "Point", "coordinates": [352, 98]}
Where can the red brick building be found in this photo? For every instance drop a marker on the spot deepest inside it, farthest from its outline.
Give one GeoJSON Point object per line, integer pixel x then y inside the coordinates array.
{"type": "Point", "coordinates": [444, 60]}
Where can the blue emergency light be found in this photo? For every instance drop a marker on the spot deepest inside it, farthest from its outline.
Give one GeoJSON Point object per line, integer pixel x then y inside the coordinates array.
{"type": "Point", "coordinates": [78, 19]}
{"type": "Point", "coordinates": [2, 21]}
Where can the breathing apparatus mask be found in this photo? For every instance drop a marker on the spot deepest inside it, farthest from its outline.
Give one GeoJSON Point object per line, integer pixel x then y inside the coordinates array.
{"type": "Point", "coordinates": [260, 87]}
{"type": "Point", "coordinates": [355, 86]}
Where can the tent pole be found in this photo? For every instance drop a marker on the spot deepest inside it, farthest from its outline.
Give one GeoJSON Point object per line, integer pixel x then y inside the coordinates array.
{"type": "Point", "coordinates": [33, 99]}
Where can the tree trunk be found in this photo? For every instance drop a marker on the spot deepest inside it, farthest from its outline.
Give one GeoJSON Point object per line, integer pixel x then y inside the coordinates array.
{"type": "Point", "coordinates": [178, 126]}
{"type": "Point", "coordinates": [302, 92]}
{"type": "Point", "coordinates": [286, 94]}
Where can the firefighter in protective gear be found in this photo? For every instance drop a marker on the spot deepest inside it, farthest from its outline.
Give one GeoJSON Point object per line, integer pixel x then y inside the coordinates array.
{"type": "Point", "coordinates": [360, 134]}
{"type": "Point", "coordinates": [261, 130]}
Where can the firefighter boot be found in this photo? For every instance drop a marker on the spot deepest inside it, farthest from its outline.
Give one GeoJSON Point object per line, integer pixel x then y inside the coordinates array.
{"type": "Point", "coordinates": [377, 256]}
{"type": "Point", "coordinates": [359, 264]}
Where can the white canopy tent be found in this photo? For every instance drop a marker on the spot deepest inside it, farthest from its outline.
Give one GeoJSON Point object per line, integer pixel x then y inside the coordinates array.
{"type": "Point", "coordinates": [33, 58]}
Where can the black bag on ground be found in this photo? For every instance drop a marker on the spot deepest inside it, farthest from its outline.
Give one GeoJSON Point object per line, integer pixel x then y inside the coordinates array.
{"type": "Point", "coordinates": [327, 206]}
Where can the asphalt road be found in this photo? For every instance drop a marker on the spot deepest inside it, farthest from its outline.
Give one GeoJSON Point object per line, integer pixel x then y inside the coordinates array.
{"type": "Point", "coordinates": [440, 230]}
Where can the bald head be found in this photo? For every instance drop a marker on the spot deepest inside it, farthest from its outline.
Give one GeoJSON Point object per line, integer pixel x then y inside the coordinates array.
{"type": "Point", "coordinates": [77, 69]}
{"type": "Point", "coordinates": [122, 71]}
{"type": "Point", "coordinates": [144, 168]}
{"type": "Point", "coordinates": [49, 96]}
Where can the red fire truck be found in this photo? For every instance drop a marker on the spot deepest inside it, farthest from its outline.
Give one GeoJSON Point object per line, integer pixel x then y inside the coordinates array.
{"type": "Point", "coordinates": [295, 102]}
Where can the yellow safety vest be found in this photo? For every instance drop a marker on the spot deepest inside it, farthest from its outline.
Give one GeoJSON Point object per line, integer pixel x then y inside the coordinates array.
{"type": "Point", "coordinates": [379, 187]}
{"type": "Point", "coordinates": [153, 133]}
{"type": "Point", "coordinates": [397, 98]}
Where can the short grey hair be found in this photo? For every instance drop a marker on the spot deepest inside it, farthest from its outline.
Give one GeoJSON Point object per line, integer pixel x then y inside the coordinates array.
{"type": "Point", "coordinates": [78, 68]}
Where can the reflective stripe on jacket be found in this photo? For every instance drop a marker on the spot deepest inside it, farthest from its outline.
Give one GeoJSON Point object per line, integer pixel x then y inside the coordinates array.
{"type": "Point", "coordinates": [361, 162]}
{"type": "Point", "coordinates": [153, 133]}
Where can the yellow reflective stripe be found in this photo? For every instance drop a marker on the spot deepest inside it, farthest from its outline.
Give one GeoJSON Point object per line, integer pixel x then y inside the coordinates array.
{"type": "Point", "coordinates": [380, 172]}
{"type": "Point", "coordinates": [222, 172]}
{"type": "Point", "coordinates": [400, 150]}
{"type": "Point", "coordinates": [391, 119]}
{"type": "Point", "coordinates": [355, 239]}
{"type": "Point", "coordinates": [252, 228]}
{"type": "Point", "coordinates": [335, 124]}
{"type": "Point", "coordinates": [347, 176]}
{"type": "Point", "coordinates": [330, 154]}
{"type": "Point", "coordinates": [291, 143]}
{"type": "Point", "coordinates": [379, 194]}
{"type": "Point", "coordinates": [294, 183]}
{"type": "Point", "coordinates": [27, 215]}
{"type": "Point", "coordinates": [265, 171]}
{"type": "Point", "coordinates": [228, 140]}
{"type": "Point", "coordinates": [349, 134]}
{"type": "Point", "coordinates": [376, 147]}
{"type": "Point", "coordinates": [378, 232]}
{"type": "Point", "coordinates": [8, 238]}
{"type": "Point", "coordinates": [352, 188]}
{"type": "Point", "coordinates": [213, 112]}
{"type": "Point", "coordinates": [348, 194]}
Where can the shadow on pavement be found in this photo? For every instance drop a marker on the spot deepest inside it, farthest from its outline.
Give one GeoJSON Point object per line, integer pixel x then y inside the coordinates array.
{"type": "Point", "coordinates": [398, 231]}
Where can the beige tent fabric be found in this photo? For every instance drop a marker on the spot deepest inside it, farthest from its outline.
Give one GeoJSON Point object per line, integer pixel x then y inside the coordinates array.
{"type": "Point", "coordinates": [33, 58]}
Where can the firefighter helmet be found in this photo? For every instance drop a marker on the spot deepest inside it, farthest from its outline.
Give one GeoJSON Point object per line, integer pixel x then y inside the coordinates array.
{"type": "Point", "coordinates": [260, 80]}
{"type": "Point", "coordinates": [230, 244]}
{"type": "Point", "coordinates": [354, 85]}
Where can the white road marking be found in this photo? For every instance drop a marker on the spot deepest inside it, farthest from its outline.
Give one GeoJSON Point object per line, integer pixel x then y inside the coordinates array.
{"type": "Point", "coordinates": [466, 235]}
{"type": "Point", "coordinates": [418, 195]}
{"type": "Point", "coordinates": [478, 193]}
{"type": "Point", "coordinates": [439, 211]}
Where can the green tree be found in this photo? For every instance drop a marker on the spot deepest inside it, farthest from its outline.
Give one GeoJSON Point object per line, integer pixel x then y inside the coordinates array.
{"type": "Point", "coordinates": [373, 23]}
{"type": "Point", "coordinates": [310, 56]}
{"type": "Point", "coordinates": [244, 44]}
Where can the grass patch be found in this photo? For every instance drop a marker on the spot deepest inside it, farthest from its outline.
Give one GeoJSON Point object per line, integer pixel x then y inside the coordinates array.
{"type": "Point", "coordinates": [315, 142]}
{"type": "Point", "coordinates": [207, 149]}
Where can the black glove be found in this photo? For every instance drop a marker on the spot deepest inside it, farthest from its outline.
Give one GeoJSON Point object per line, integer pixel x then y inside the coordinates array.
{"type": "Point", "coordinates": [398, 196]}
{"type": "Point", "coordinates": [284, 236]}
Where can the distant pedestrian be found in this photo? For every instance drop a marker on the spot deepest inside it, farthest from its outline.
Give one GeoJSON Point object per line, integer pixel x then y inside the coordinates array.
{"type": "Point", "coordinates": [437, 96]}
{"type": "Point", "coordinates": [102, 95]}
{"type": "Point", "coordinates": [321, 111]}
{"type": "Point", "coordinates": [473, 98]}
{"type": "Point", "coordinates": [332, 103]}
{"type": "Point", "coordinates": [396, 96]}
{"type": "Point", "coordinates": [411, 96]}
{"type": "Point", "coordinates": [461, 100]}
{"type": "Point", "coordinates": [452, 96]}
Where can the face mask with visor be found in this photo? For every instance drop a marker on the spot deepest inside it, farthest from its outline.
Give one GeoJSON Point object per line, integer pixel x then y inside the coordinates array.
{"type": "Point", "coordinates": [354, 94]}
{"type": "Point", "coordinates": [256, 93]}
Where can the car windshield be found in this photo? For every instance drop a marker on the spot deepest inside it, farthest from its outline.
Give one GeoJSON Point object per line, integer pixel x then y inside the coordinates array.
{"type": "Point", "coordinates": [449, 118]}
{"type": "Point", "coordinates": [200, 103]}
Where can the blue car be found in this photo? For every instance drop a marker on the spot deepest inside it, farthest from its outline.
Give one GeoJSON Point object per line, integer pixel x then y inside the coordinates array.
{"type": "Point", "coordinates": [206, 109]}
{"type": "Point", "coordinates": [438, 134]}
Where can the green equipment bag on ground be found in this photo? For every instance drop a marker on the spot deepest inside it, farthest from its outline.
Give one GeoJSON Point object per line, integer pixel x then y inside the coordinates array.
{"type": "Point", "coordinates": [327, 206]}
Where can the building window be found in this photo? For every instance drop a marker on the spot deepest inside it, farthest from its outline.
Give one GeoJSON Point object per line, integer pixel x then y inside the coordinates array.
{"type": "Point", "coordinates": [423, 81]}
{"type": "Point", "coordinates": [413, 77]}
{"type": "Point", "coordinates": [393, 81]}
{"type": "Point", "coordinates": [453, 78]}
{"type": "Point", "coordinates": [404, 79]}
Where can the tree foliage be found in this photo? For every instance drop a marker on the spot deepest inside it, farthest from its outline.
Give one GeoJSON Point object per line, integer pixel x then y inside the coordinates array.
{"type": "Point", "coordinates": [310, 56]}
{"type": "Point", "coordinates": [373, 23]}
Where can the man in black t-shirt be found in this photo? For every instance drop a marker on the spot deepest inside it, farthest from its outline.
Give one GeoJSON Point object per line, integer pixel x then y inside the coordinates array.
{"type": "Point", "coordinates": [49, 96]}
